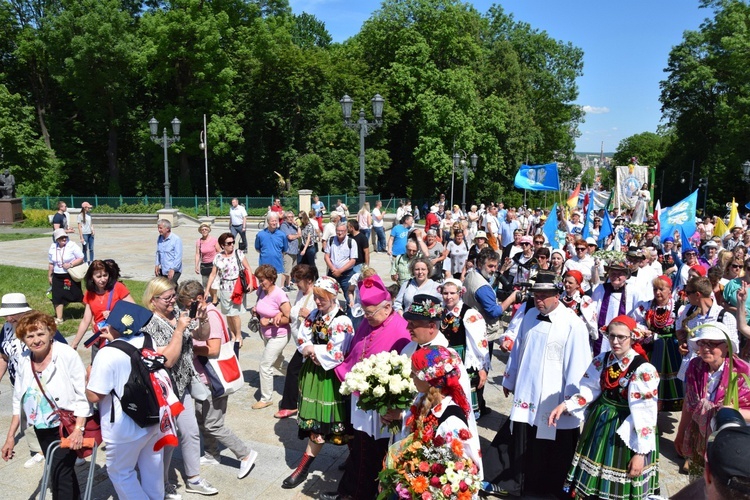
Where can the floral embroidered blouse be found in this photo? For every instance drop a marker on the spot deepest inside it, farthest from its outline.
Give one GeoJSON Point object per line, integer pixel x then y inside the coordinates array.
{"type": "Point", "coordinates": [640, 389]}
{"type": "Point", "coordinates": [228, 270]}
{"type": "Point", "coordinates": [330, 334]}
{"type": "Point", "coordinates": [465, 326]}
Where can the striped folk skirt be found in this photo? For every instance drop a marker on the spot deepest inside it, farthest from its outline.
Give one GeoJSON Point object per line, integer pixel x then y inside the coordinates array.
{"type": "Point", "coordinates": [322, 409]}
{"type": "Point", "coordinates": [600, 463]}
{"type": "Point", "coordinates": [666, 358]}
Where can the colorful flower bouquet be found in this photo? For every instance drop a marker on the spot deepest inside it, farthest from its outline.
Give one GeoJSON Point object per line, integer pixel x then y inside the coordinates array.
{"type": "Point", "coordinates": [383, 382]}
{"type": "Point", "coordinates": [428, 467]}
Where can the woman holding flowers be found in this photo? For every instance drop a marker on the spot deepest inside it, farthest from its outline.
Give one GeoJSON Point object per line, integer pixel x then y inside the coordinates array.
{"type": "Point", "coordinates": [617, 454]}
{"type": "Point", "coordinates": [446, 462]}
{"type": "Point", "coordinates": [322, 339]}
{"type": "Point", "coordinates": [659, 316]}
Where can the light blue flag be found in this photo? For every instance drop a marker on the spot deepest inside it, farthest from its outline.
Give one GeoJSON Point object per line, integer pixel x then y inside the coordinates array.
{"type": "Point", "coordinates": [538, 177]}
{"type": "Point", "coordinates": [589, 219]}
{"type": "Point", "coordinates": [555, 236]}
{"type": "Point", "coordinates": [680, 215]}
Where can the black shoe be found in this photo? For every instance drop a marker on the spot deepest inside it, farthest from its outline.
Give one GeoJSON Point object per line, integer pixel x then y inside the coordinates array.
{"type": "Point", "coordinates": [300, 473]}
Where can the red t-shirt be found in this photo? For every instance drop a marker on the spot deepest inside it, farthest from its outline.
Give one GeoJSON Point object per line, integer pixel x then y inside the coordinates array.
{"type": "Point", "coordinates": [98, 303]}
{"type": "Point", "coordinates": [277, 209]}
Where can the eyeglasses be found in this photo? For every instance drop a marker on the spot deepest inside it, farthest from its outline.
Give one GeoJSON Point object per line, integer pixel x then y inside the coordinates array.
{"type": "Point", "coordinates": [736, 266]}
{"type": "Point", "coordinates": [226, 243]}
{"type": "Point", "coordinates": [711, 344]}
{"type": "Point", "coordinates": [373, 313]}
{"type": "Point", "coordinates": [581, 249]}
{"type": "Point", "coordinates": [167, 299]}
{"type": "Point", "coordinates": [619, 338]}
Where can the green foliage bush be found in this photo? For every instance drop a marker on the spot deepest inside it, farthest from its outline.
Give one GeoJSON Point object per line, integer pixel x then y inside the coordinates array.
{"type": "Point", "coordinates": [35, 217]}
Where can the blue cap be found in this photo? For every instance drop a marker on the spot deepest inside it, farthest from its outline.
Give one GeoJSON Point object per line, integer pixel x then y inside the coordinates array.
{"type": "Point", "coordinates": [128, 318]}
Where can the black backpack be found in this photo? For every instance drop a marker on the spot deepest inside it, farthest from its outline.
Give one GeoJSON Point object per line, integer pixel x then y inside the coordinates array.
{"type": "Point", "coordinates": [138, 399]}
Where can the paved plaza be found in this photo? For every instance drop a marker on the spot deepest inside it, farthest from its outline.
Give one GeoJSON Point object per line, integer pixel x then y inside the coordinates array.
{"type": "Point", "coordinates": [275, 440]}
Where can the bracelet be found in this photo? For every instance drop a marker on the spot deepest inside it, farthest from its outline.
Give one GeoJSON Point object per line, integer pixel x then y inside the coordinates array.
{"type": "Point", "coordinates": [81, 428]}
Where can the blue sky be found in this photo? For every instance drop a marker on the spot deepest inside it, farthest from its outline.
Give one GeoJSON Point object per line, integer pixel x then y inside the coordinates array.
{"type": "Point", "coordinates": [626, 45]}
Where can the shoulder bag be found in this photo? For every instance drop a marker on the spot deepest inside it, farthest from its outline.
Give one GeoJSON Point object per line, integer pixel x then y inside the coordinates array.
{"type": "Point", "coordinates": [93, 429]}
{"type": "Point", "coordinates": [223, 372]}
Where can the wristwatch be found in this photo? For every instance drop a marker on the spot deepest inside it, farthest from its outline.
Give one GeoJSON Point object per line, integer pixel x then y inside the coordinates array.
{"type": "Point", "coordinates": [81, 428]}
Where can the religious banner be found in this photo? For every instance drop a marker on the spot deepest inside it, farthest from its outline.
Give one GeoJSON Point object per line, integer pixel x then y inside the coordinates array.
{"type": "Point", "coordinates": [630, 180]}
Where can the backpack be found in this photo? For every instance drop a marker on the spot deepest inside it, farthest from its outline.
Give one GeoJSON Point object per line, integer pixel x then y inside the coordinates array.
{"type": "Point", "coordinates": [139, 400]}
{"type": "Point", "coordinates": [348, 240]}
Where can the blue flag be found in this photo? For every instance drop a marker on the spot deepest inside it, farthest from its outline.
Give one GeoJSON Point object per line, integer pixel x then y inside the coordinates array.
{"type": "Point", "coordinates": [606, 229]}
{"type": "Point", "coordinates": [680, 215]}
{"type": "Point", "coordinates": [538, 177]}
{"type": "Point", "coordinates": [555, 237]}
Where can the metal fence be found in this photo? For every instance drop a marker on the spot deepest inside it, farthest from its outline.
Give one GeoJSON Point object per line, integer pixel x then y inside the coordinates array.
{"type": "Point", "coordinates": [218, 205]}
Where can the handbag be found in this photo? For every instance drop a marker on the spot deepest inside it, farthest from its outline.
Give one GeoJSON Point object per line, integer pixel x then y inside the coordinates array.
{"type": "Point", "coordinates": [206, 268]}
{"type": "Point", "coordinates": [77, 273]}
{"type": "Point", "coordinates": [198, 389]}
{"type": "Point", "coordinates": [92, 428]}
{"type": "Point", "coordinates": [223, 372]}
{"type": "Point", "coordinates": [248, 282]}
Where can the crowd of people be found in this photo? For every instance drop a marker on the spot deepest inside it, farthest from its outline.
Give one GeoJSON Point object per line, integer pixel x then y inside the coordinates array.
{"type": "Point", "coordinates": [597, 344]}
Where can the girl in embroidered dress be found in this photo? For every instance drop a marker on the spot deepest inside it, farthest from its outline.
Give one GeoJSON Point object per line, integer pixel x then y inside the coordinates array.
{"type": "Point", "coordinates": [658, 316]}
{"type": "Point", "coordinates": [323, 339]}
{"type": "Point", "coordinates": [465, 330]}
{"type": "Point", "coordinates": [617, 454]}
{"type": "Point", "coordinates": [574, 298]}
{"type": "Point", "coordinates": [441, 405]}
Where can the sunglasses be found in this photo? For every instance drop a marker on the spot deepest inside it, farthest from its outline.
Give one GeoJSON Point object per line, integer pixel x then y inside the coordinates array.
{"type": "Point", "coordinates": [736, 266]}
{"type": "Point", "coordinates": [227, 243]}
{"type": "Point", "coordinates": [581, 249]}
{"type": "Point", "coordinates": [713, 344]}
{"type": "Point", "coordinates": [539, 243]}
{"type": "Point", "coordinates": [524, 244]}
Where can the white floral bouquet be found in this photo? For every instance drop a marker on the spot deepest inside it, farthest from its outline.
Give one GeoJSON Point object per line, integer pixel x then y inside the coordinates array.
{"type": "Point", "coordinates": [383, 382]}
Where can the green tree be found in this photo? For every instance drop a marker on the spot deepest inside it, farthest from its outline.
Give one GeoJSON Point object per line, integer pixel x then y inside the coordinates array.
{"type": "Point", "coordinates": [648, 147]}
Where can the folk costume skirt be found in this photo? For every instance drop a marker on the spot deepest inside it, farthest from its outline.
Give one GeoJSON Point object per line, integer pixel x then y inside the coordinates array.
{"type": "Point", "coordinates": [600, 463]}
{"type": "Point", "coordinates": [666, 359]}
{"type": "Point", "coordinates": [322, 409]}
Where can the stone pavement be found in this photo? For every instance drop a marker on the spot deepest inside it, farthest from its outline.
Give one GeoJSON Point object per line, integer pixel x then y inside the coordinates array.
{"type": "Point", "coordinates": [275, 440]}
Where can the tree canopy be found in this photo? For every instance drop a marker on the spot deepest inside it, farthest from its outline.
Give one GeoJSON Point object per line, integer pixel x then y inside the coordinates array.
{"type": "Point", "coordinates": [79, 80]}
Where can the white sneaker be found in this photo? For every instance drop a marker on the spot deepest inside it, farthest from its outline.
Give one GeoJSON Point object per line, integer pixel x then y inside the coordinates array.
{"type": "Point", "coordinates": [170, 492]}
{"type": "Point", "coordinates": [209, 460]}
{"type": "Point", "coordinates": [36, 459]}
{"type": "Point", "coordinates": [247, 464]}
{"type": "Point", "coordinates": [202, 487]}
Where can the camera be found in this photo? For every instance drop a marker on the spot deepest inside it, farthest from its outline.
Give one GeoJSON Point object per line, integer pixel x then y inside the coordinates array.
{"type": "Point", "coordinates": [506, 289]}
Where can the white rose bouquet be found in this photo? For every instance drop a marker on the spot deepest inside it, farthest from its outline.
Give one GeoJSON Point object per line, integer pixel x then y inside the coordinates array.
{"type": "Point", "coordinates": [383, 381]}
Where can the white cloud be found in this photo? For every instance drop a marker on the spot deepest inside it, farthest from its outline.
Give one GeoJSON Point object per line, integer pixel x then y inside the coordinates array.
{"type": "Point", "coordinates": [595, 110]}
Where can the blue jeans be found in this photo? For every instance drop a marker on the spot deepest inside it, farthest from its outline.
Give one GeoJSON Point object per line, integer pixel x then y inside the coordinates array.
{"type": "Point", "coordinates": [343, 281]}
{"type": "Point", "coordinates": [380, 233]}
{"type": "Point", "coordinates": [88, 244]}
{"type": "Point", "coordinates": [366, 232]}
{"type": "Point", "coordinates": [235, 230]}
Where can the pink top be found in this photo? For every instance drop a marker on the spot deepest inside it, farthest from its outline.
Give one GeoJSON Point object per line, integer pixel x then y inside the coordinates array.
{"type": "Point", "coordinates": [207, 249]}
{"type": "Point", "coordinates": [218, 331]}
{"type": "Point", "coordinates": [269, 306]}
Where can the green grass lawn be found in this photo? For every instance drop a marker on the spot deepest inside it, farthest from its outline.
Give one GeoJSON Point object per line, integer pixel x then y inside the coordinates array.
{"type": "Point", "coordinates": [21, 236]}
{"type": "Point", "coordinates": [33, 283]}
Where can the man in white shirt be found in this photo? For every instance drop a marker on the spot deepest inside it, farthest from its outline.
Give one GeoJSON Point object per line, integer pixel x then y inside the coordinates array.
{"type": "Point", "coordinates": [378, 213]}
{"type": "Point", "coordinates": [238, 222]}
{"type": "Point", "coordinates": [546, 364]}
{"type": "Point", "coordinates": [329, 230]}
{"type": "Point", "coordinates": [582, 262]}
{"type": "Point", "coordinates": [341, 257]}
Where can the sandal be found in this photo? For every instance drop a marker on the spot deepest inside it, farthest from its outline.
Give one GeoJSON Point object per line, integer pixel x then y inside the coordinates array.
{"type": "Point", "coordinates": [284, 413]}
{"type": "Point", "coordinates": [261, 404]}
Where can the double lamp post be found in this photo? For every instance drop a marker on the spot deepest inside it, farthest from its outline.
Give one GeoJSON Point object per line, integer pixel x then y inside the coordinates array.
{"type": "Point", "coordinates": [365, 128]}
{"type": "Point", "coordinates": [166, 142]}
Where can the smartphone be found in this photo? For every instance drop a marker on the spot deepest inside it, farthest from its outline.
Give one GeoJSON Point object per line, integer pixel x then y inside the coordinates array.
{"type": "Point", "coordinates": [193, 309]}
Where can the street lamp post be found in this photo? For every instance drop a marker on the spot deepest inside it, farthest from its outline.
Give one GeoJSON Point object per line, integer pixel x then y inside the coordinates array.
{"type": "Point", "coordinates": [458, 160]}
{"type": "Point", "coordinates": [204, 146]}
{"type": "Point", "coordinates": [365, 128]}
{"type": "Point", "coordinates": [166, 142]}
{"type": "Point", "coordinates": [692, 174]}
